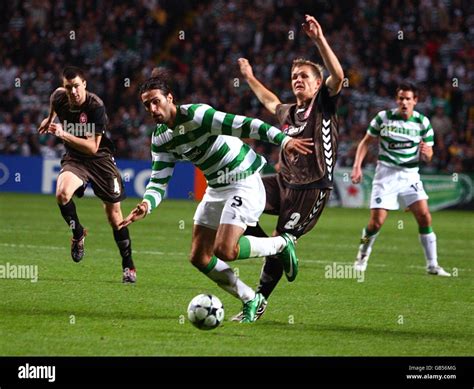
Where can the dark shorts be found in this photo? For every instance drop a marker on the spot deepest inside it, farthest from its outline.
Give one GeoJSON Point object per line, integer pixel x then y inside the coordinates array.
{"type": "Point", "coordinates": [101, 173]}
{"type": "Point", "coordinates": [298, 210]}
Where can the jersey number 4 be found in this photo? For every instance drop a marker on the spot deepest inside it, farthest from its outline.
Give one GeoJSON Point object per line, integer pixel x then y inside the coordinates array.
{"type": "Point", "coordinates": [116, 186]}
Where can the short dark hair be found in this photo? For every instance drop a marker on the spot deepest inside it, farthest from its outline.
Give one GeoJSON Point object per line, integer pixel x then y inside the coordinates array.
{"type": "Point", "coordinates": [317, 68]}
{"type": "Point", "coordinates": [70, 72]}
{"type": "Point", "coordinates": [407, 87]}
{"type": "Point", "coordinates": [160, 79]}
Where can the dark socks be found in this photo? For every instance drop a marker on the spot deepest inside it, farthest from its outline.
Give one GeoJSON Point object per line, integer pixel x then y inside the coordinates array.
{"type": "Point", "coordinates": [124, 243]}
{"type": "Point", "coordinates": [70, 216]}
{"type": "Point", "coordinates": [256, 231]}
{"type": "Point", "coordinates": [272, 269]}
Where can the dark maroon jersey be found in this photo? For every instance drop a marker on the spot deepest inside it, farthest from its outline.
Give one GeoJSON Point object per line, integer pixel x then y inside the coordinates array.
{"type": "Point", "coordinates": [89, 118]}
{"type": "Point", "coordinates": [317, 121]}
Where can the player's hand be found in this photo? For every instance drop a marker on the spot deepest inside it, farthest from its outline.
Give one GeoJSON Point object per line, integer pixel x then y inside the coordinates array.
{"type": "Point", "coordinates": [312, 28]}
{"type": "Point", "coordinates": [356, 175]}
{"type": "Point", "coordinates": [426, 152]}
{"type": "Point", "coordinates": [56, 129]}
{"type": "Point", "coordinates": [139, 212]}
{"type": "Point", "coordinates": [43, 128]}
{"type": "Point", "coordinates": [300, 146]}
{"type": "Point", "coordinates": [245, 68]}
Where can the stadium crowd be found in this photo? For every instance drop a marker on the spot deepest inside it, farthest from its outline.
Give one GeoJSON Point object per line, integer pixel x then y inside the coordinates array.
{"type": "Point", "coordinates": [379, 44]}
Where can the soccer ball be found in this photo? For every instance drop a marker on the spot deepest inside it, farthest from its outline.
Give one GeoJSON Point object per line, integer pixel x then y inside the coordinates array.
{"type": "Point", "coordinates": [205, 311]}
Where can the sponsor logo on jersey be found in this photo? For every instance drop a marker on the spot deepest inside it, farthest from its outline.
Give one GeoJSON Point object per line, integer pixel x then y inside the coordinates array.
{"type": "Point", "coordinates": [292, 130]}
{"type": "Point", "coordinates": [400, 145]}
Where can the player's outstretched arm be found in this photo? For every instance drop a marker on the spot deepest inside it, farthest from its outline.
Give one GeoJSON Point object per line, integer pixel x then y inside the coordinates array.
{"type": "Point", "coordinates": [362, 149]}
{"type": "Point", "coordinates": [314, 31]}
{"type": "Point", "coordinates": [222, 123]}
{"type": "Point", "coordinates": [162, 169]}
{"type": "Point", "coordinates": [266, 97]}
{"type": "Point", "coordinates": [139, 212]}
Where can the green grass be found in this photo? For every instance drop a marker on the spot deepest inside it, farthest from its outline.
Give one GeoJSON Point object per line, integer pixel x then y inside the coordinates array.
{"type": "Point", "coordinates": [83, 309]}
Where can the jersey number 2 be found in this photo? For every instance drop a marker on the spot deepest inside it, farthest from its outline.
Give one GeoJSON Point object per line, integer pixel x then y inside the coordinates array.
{"type": "Point", "coordinates": [294, 218]}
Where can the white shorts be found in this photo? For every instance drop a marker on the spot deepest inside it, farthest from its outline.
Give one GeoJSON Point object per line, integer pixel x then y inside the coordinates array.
{"type": "Point", "coordinates": [240, 204]}
{"type": "Point", "coordinates": [391, 184]}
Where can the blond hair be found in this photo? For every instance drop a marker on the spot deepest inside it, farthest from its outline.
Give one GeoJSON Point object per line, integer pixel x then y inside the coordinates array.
{"type": "Point", "coordinates": [317, 68]}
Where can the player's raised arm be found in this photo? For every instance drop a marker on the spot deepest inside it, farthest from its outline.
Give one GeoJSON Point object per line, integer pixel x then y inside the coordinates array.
{"type": "Point", "coordinates": [336, 75]}
{"type": "Point", "coordinates": [266, 97]}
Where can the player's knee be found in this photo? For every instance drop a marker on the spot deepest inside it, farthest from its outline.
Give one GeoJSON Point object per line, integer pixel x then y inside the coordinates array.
{"type": "Point", "coordinates": [62, 197]}
{"type": "Point", "coordinates": [226, 252]}
{"type": "Point", "coordinates": [114, 218]}
{"type": "Point", "coordinates": [424, 219]}
{"type": "Point", "coordinates": [114, 223]}
{"type": "Point", "coordinates": [375, 223]}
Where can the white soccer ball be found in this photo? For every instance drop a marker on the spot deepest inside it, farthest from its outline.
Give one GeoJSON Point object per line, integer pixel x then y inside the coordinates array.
{"type": "Point", "coordinates": [205, 311]}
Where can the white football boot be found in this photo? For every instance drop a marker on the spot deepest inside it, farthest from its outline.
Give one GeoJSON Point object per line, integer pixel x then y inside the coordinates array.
{"type": "Point", "coordinates": [361, 262]}
{"type": "Point", "coordinates": [437, 271]}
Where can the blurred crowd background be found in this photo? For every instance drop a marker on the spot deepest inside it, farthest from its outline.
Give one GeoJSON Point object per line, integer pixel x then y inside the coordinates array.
{"type": "Point", "coordinates": [379, 43]}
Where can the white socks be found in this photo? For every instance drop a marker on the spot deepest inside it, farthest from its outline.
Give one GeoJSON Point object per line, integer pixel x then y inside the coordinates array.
{"type": "Point", "coordinates": [225, 278]}
{"type": "Point", "coordinates": [367, 242]}
{"type": "Point", "coordinates": [251, 246]}
{"type": "Point", "coordinates": [428, 242]}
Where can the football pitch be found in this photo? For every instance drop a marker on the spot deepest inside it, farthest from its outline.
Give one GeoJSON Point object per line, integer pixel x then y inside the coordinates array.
{"type": "Point", "coordinates": [84, 309]}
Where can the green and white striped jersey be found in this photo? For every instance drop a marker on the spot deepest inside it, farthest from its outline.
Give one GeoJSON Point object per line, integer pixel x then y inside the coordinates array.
{"type": "Point", "coordinates": [209, 139]}
{"type": "Point", "coordinates": [399, 138]}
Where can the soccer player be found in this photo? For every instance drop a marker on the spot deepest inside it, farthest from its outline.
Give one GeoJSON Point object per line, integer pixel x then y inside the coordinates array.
{"type": "Point", "coordinates": [88, 159]}
{"type": "Point", "coordinates": [405, 138]}
{"type": "Point", "coordinates": [235, 197]}
{"type": "Point", "coordinates": [300, 190]}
